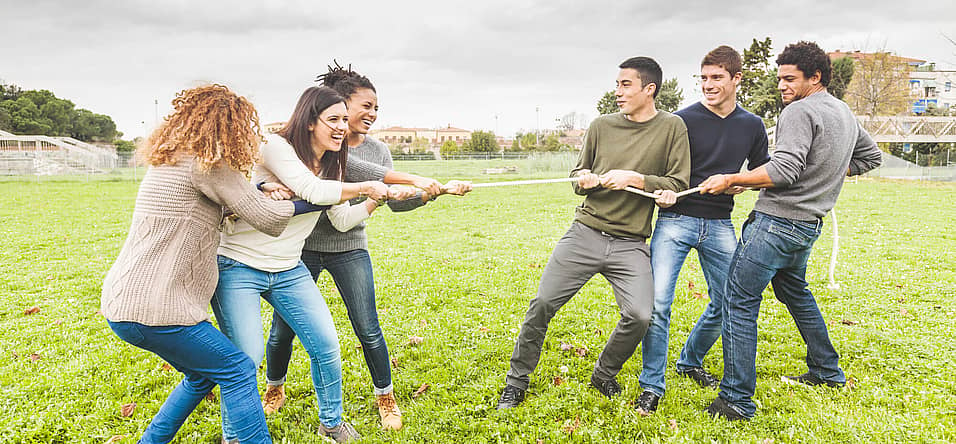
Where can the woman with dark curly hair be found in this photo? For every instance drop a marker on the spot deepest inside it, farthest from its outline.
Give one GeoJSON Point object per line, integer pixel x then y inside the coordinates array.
{"type": "Point", "coordinates": [156, 295]}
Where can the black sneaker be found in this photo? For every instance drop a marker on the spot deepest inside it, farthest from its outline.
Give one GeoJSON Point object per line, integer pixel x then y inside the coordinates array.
{"type": "Point", "coordinates": [810, 380]}
{"type": "Point", "coordinates": [722, 408]}
{"type": "Point", "coordinates": [607, 387]}
{"type": "Point", "coordinates": [511, 396]}
{"type": "Point", "coordinates": [647, 403]}
{"type": "Point", "coordinates": [700, 376]}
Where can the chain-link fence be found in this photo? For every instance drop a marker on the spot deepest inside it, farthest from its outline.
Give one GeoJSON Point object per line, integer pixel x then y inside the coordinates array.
{"type": "Point", "coordinates": [896, 168]}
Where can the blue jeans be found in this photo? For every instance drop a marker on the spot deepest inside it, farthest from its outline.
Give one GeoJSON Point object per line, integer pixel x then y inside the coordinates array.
{"type": "Point", "coordinates": [674, 236]}
{"type": "Point", "coordinates": [206, 358]}
{"type": "Point", "coordinates": [771, 250]}
{"type": "Point", "coordinates": [352, 272]}
{"type": "Point", "coordinates": [293, 294]}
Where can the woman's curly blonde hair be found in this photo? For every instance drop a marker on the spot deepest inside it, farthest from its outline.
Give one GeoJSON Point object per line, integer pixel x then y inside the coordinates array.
{"type": "Point", "coordinates": [211, 123]}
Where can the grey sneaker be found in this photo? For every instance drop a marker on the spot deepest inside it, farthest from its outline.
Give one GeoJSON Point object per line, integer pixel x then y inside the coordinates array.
{"type": "Point", "coordinates": [344, 432]}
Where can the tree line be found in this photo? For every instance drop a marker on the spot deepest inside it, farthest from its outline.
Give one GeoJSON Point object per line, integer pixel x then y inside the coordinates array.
{"type": "Point", "coordinates": [40, 112]}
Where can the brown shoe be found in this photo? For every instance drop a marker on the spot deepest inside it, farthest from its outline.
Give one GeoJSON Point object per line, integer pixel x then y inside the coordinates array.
{"type": "Point", "coordinates": [273, 399]}
{"type": "Point", "coordinates": [388, 410]}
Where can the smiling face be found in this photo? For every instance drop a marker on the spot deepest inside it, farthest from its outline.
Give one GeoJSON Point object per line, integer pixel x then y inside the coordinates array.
{"type": "Point", "coordinates": [631, 96]}
{"type": "Point", "coordinates": [794, 85]}
{"type": "Point", "coordinates": [363, 110]}
{"type": "Point", "coordinates": [718, 86]}
{"type": "Point", "coordinates": [328, 131]}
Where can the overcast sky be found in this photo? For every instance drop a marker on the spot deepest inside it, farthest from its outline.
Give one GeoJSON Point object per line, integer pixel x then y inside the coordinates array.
{"type": "Point", "coordinates": [434, 63]}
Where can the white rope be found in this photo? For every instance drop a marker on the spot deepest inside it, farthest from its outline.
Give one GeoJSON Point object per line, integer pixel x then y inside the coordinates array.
{"type": "Point", "coordinates": [574, 179]}
{"type": "Point", "coordinates": [641, 192]}
{"type": "Point", "coordinates": [833, 285]}
{"type": "Point", "coordinates": [523, 182]}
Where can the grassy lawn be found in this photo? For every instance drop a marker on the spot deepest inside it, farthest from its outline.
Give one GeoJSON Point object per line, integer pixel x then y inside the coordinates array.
{"type": "Point", "coordinates": [459, 273]}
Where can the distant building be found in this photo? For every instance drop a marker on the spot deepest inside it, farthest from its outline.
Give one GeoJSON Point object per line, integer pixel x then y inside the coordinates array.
{"type": "Point", "coordinates": [273, 127]}
{"type": "Point", "coordinates": [438, 136]}
{"type": "Point", "coordinates": [930, 86]}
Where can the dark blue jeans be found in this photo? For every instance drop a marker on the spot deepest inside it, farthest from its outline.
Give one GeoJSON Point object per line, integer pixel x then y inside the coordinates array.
{"type": "Point", "coordinates": [771, 250]}
{"type": "Point", "coordinates": [352, 273]}
{"type": "Point", "coordinates": [206, 357]}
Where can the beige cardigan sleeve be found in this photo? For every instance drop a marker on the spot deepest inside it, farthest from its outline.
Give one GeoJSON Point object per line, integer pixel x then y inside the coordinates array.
{"type": "Point", "coordinates": [228, 187]}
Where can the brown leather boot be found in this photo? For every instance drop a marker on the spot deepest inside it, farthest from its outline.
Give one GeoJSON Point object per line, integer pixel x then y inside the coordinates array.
{"type": "Point", "coordinates": [388, 410]}
{"type": "Point", "coordinates": [273, 399]}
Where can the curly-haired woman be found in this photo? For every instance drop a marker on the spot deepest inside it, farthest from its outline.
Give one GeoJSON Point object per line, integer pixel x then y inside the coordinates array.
{"type": "Point", "coordinates": [156, 295]}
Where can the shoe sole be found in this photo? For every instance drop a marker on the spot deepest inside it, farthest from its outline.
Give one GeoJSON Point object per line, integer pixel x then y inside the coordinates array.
{"type": "Point", "coordinates": [796, 383]}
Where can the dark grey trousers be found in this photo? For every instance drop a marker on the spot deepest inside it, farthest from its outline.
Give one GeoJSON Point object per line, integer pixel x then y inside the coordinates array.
{"type": "Point", "coordinates": [578, 256]}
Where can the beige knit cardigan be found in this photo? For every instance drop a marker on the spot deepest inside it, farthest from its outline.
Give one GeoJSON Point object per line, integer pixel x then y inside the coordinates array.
{"type": "Point", "coordinates": [167, 272]}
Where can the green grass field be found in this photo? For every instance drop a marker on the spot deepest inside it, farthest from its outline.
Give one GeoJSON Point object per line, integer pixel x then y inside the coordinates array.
{"type": "Point", "coordinates": [459, 273]}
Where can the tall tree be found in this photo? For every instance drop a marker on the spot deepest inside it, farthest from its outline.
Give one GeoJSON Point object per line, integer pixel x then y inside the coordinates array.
{"type": "Point", "coordinates": [670, 96]}
{"type": "Point", "coordinates": [880, 85]}
{"type": "Point", "coordinates": [842, 74]}
{"type": "Point", "coordinates": [758, 85]}
{"type": "Point", "coordinates": [608, 104]}
{"type": "Point", "coordinates": [481, 142]}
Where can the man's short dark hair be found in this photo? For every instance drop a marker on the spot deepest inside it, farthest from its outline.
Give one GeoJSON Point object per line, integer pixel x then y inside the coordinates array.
{"type": "Point", "coordinates": [808, 58]}
{"type": "Point", "coordinates": [647, 69]}
{"type": "Point", "coordinates": [724, 57]}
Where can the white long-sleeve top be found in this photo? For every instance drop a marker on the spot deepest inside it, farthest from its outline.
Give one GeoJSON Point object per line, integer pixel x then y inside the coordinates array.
{"type": "Point", "coordinates": [279, 163]}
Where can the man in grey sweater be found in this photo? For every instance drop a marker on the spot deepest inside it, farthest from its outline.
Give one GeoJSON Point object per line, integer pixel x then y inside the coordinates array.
{"type": "Point", "coordinates": [818, 143]}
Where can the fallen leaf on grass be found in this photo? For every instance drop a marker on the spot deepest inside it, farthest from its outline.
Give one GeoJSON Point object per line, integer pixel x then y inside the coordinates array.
{"type": "Point", "coordinates": [15, 355]}
{"type": "Point", "coordinates": [98, 312]}
{"type": "Point", "coordinates": [34, 357]}
{"type": "Point", "coordinates": [115, 438]}
{"type": "Point", "coordinates": [50, 278]}
{"type": "Point", "coordinates": [540, 441]}
{"type": "Point", "coordinates": [850, 383]}
{"type": "Point", "coordinates": [358, 347]}
{"type": "Point", "coordinates": [166, 367]}
{"type": "Point", "coordinates": [848, 322]}
{"type": "Point", "coordinates": [557, 380]}
{"type": "Point", "coordinates": [211, 397]}
{"type": "Point", "coordinates": [699, 295]}
{"type": "Point", "coordinates": [690, 285]}
{"type": "Point", "coordinates": [571, 426]}
{"type": "Point", "coordinates": [423, 322]}
{"type": "Point", "coordinates": [904, 312]}
{"type": "Point", "coordinates": [32, 310]}
{"type": "Point", "coordinates": [581, 351]}
{"type": "Point", "coordinates": [672, 423]}
{"type": "Point", "coordinates": [394, 362]}
{"type": "Point", "coordinates": [483, 329]}
{"type": "Point", "coordinates": [420, 390]}
{"type": "Point", "coordinates": [58, 322]}
{"type": "Point", "coordinates": [767, 441]}
{"type": "Point", "coordinates": [415, 340]}
{"type": "Point", "coordinates": [901, 300]}
{"type": "Point", "coordinates": [566, 347]}
{"type": "Point", "coordinates": [127, 409]}
{"type": "Point", "coordinates": [598, 332]}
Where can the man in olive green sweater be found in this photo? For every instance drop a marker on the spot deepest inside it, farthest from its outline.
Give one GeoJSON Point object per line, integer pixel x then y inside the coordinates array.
{"type": "Point", "coordinates": [639, 147]}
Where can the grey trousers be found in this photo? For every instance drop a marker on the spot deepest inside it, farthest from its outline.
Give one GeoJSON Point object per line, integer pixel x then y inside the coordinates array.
{"type": "Point", "coordinates": [578, 256]}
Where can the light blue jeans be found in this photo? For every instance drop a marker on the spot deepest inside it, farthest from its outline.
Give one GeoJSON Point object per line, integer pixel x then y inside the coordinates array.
{"type": "Point", "coordinates": [295, 297]}
{"type": "Point", "coordinates": [674, 236]}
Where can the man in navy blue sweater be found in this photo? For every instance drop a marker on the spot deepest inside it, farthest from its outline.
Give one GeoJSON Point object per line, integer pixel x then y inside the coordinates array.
{"type": "Point", "coordinates": [722, 136]}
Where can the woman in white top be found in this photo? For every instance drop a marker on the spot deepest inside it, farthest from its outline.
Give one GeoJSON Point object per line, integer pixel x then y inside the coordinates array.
{"type": "Point", "coordinates": [253, 265]}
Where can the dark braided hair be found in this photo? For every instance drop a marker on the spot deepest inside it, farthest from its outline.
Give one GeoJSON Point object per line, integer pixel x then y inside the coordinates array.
{"type": "Point", "coordinates": [344, 80]}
